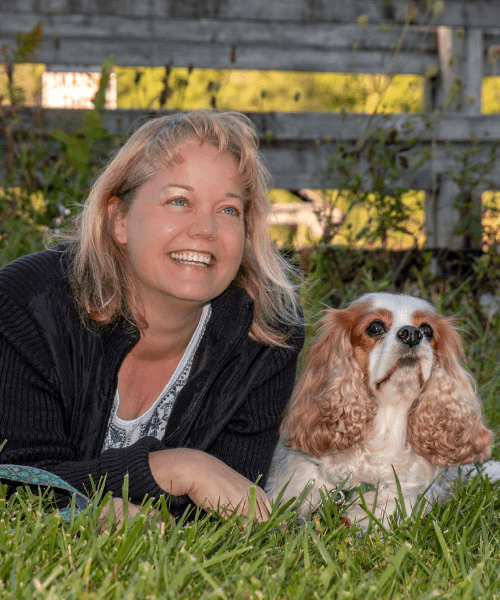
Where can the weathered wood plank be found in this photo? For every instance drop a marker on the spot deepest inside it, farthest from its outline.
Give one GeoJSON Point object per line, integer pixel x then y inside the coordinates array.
{"type": "Point", "coordinates": [296, 166]}
{"type": "Point", "coordinates": [207, 43]}
{"type": "Point", "coordinates": [216, 44]}
{"type": "Point", "coordinates": [457, 13]}
{"type": "Point", "coordinates": [300, 144]}
{"type": "Point", "coordinates": [473, 71]}
{"type": "Point", "coordinates": [310, 126]}
{"type": "Point", "coordinates": [442, 218]}
{"type": "Point", "coordinates": [137, 53]}
{"type": "Point", "coordinates": [326, 35]}
{"type": "Point", "coordinates": [462, 60]}
{"type": "Point", "coordinates": [451, 127]}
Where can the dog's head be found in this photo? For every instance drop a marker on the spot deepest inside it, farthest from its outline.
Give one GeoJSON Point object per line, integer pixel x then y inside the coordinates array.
{"type": "Point", "coordinates": [380, 342]}
{"type": "Point", "coordinates": [397, 336]}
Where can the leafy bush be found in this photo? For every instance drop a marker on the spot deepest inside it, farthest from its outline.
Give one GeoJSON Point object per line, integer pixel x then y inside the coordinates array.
{"type": "Point", "coordinates": [46, 178]}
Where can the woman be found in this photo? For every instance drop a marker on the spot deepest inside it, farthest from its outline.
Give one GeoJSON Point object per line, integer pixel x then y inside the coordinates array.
{"type": "Point", "coordinates": [161, 342]}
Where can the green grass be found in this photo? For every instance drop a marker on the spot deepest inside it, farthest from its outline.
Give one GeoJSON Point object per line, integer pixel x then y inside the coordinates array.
{"type": "Point", "coordinates": [450, 553]}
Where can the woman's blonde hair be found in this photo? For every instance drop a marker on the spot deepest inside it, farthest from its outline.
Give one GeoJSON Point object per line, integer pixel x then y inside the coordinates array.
{"type": "Point", "coordinates": [101, 277]}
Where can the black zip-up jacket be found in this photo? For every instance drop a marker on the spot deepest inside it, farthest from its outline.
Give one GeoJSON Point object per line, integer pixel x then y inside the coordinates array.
{"type": "Point", "coordinates": [58, 378]}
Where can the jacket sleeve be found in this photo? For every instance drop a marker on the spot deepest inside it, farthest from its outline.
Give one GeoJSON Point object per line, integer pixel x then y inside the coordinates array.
{"type": "Point", "coordinates": [248, 441]}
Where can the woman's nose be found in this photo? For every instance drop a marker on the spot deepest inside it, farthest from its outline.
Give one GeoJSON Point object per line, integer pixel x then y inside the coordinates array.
{"type": "Point", "coordinates": [203, 225]}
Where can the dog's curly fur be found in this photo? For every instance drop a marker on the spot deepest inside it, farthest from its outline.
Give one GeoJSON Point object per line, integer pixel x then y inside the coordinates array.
{"type": "Point", "coordinates": [369, 404]}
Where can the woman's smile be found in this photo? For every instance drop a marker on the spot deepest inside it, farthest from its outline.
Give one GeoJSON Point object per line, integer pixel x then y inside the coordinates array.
{"type": "Point", "coordinates": [192, 258]}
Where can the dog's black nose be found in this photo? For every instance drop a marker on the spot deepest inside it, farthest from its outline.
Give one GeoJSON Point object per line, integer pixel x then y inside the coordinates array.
{"type": "Point", "coordinates": [410, 335]}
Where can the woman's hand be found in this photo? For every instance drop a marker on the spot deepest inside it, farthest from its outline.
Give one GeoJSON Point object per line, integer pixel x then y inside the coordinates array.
{"type": "Point", "coordinates": [208, 481]}
{"type": "Point", "coordinates": [117, 514]}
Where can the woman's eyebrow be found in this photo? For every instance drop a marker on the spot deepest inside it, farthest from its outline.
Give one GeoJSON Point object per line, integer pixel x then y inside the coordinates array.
{"type": "Point", "coordinates": [231, 195]}
{"type": "Point", "coordinates": [177, 185]}
{"type": "Point", "coordinates": [188, 188]}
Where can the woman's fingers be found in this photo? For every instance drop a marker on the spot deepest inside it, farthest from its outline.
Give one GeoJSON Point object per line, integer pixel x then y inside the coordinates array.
{"type": "Point", "coordinates": [233, 496]}
{"type": "Point", "coordinates": [115, 511]}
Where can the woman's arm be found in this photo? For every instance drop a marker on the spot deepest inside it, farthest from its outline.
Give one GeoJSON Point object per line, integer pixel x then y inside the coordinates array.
{"type": "Point", "coordinates": [40, 430]}
{"type": "Point", "coordinates": [248, 441]}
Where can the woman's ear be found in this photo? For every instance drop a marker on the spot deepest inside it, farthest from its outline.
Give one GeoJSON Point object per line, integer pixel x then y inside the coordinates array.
{"type": "Point", "coordinates": [117, 218]}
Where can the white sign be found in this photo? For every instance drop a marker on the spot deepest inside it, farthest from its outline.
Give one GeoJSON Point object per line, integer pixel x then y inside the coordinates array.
{"type": "Point", "coordinates": [75, 89]}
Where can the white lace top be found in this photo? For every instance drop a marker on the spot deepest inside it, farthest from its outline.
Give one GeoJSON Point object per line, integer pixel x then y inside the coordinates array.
{"type": "Point", "coordinates": [122, 433]}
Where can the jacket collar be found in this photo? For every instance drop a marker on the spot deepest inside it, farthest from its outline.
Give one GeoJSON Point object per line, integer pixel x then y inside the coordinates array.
{"type": "Point", "coordinates": [232, 317]}
{"type": "Point", "coordinates": [232, 313]}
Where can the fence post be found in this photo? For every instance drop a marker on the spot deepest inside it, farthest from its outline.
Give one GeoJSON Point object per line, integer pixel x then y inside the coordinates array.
{"type": "Point", "coordinates": [459, 90]}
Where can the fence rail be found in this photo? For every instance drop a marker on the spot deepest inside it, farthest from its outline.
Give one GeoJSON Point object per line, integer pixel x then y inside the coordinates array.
{"type": "Point", "coordinates": [297, 146]}
{"type": "Point", "coordinates": [276, 35]}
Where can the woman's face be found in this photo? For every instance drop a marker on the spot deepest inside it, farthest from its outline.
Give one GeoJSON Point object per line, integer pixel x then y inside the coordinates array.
{"type": "Point", "coordinates": [185, 230]}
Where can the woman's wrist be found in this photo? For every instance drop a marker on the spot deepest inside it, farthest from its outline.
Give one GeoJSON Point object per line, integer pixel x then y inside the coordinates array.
{"type": "Point", "coordinates": [172, 469]}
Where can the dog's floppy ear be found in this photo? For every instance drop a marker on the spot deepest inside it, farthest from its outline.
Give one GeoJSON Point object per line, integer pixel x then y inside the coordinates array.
{"type": "Point", "coordinates": [330, 408]}
{"type": "Point", "coordinates": [445, 423]}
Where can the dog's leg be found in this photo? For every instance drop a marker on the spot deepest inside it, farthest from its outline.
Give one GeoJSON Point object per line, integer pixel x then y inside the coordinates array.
{"type": "Point", "coordinates": [442, 488]}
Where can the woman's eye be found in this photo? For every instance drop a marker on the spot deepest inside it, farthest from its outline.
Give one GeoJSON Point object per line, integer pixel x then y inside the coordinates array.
{"type": "Point", "coordinates": [231, 210]}
{"type": "Point", "coordinates": [426, 329]}
{"type": "Point", "coordinates": [178, 202]}
{"type": "Point", "coordinates": [375, 328]}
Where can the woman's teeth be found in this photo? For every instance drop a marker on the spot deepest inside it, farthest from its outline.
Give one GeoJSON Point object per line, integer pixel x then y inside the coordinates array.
{"type": "Point", "coordinates": [192, 258]}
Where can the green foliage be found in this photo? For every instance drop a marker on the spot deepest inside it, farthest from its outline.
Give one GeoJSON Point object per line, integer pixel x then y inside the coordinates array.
{"type": "Point", "coordinates": [79, 147]}
{"type": "Point", "coordinates": [471, 176]}
{"type": "Point", "coordinates": [384, 195]}
{"type": "Point", "coordinates": [23, 52]}
{"type": "Point", "coordinates": [370, 182]}
{"type": "Point", "coordinates": [45, 179]}
{"type": "Point", "coordinates": [183, 88]}
{"type": "Point", "coordinates": [20, 228]}
{"type": "Point", "coordinates": [28, 44]}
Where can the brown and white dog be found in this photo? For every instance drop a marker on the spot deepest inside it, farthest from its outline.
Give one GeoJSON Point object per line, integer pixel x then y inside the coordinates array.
{"type": "Point", "coordinates": [384, 392]}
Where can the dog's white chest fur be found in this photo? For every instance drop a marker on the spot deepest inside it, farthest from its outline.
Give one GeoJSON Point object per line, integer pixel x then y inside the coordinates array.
{"type": "Point", "coordinates": [385, 453]}
{"type": "Point", "coordinates": [386, 450]}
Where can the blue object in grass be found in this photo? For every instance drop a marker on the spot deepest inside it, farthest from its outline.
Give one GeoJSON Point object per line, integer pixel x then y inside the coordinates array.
{"type": "Point", "coordinates": [34, 476]}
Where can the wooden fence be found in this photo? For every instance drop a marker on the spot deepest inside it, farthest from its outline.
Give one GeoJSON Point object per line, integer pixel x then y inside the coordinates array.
{"type": "Point", "coordinates": [453, 44]}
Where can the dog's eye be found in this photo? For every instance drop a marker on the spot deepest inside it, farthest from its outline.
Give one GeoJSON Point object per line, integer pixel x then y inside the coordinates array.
{"type": "Point", "coordinates": [375, 328]}
{"type": "Point", "coordinates": [426, 330]}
